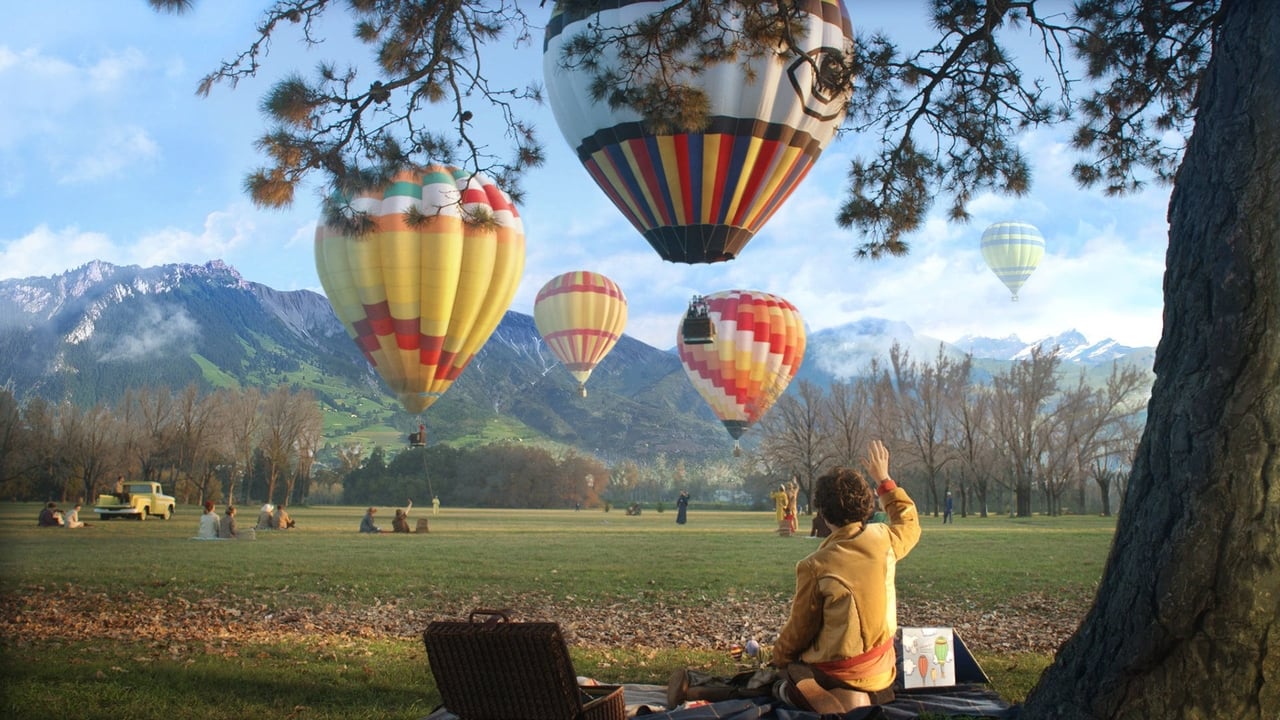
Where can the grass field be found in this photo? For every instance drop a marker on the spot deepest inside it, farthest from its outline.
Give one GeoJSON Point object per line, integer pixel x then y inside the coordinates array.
{"type": "Point", "coordinates": [134, 619]}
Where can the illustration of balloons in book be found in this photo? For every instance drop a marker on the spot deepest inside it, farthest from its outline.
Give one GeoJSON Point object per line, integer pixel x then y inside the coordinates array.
{"type": "Point", "coordinates": [580, 316]}
{"type": "Point", "coordinates": [697, 193]}
{"type": "Point", "coordinates": [747, 362]}
{"type": "Point", "coordinates": [1013, 251]}
{"type": "Point", "coordinates": [420, 270]}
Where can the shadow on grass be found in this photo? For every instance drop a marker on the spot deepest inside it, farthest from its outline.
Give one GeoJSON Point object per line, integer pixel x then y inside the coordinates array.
{"type": "Point", "coordinates": [208, 687]}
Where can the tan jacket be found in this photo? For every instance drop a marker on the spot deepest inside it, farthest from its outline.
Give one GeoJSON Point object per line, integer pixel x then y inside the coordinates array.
{"type": "Point", "coordinates": [845, 602]}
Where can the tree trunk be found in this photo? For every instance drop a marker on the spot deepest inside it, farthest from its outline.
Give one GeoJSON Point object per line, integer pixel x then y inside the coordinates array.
{"type": "Point", "coordinates": [1186, 623]}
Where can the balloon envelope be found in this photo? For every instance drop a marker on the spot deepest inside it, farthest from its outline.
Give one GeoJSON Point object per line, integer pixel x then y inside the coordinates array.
{"type": "Point", "coordinates": [1012, 251]}
{"type": "Point", "coordinates": [580, 316]}
{"type": "Point", "coordinates": [758, 347]}
{"type": "Point", "coordinates": [420, 298]}
{"type": "Point", "coordinates": [699, 197]}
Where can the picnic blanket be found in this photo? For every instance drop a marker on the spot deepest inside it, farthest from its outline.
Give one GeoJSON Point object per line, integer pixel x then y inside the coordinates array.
{"type": "Point", "coordinates": [648, 701]}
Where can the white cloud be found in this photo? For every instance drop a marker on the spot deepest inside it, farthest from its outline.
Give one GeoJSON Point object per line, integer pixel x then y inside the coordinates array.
{"type": "Point", "coordinates": [46, 252]}
{"type": "Point", "coordinates": [224, 231]}
{"type": "Point", "coordinates": [46, 94]}
{"type": "Point", "coordinates": [113, 152]}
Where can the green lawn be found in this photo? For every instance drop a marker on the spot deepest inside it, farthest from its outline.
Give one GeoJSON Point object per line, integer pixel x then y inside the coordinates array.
{"type": "Point", "coordinates": [350, 608]}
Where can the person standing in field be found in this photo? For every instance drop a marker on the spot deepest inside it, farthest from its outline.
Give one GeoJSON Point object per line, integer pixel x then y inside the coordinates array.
{"type": "Point", "coordinates": [835, 652]}
{"type": "Point", "coordinates": [682, 507]}
{"type": "Point", "coordinates": [435, 505]}
{"type": "Point", "coordinates": [947, 507]}
{"type": "Point", "coordinates": [779, 498]}
{"type": "Point", "coordinates": [793, 505]}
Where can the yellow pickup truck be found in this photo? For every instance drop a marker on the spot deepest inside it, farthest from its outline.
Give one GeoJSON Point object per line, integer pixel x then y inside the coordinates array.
{"type": "Point", "coordinates": [139, 500]}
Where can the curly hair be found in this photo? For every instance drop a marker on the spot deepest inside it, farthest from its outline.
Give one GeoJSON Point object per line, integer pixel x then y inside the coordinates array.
{"type": "Point", "coordinates": [843, 497]}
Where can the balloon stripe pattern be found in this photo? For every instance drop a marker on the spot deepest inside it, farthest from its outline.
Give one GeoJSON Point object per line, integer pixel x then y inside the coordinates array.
{"type": "Point", "coordinates": [1013, 251]}
{"type": "Point", "coordinates": [420, 298]}
{"type": "Point", "coordinates": [581, 316]}
{"type": "Point", "coordinates": [758, 348]}
{"type": "Point", "coordinates": [699, 197]}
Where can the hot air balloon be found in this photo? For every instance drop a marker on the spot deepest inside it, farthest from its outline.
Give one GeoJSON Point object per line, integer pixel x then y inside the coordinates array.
{"type": "Point", "coordinates": [1012, 251]}
{"type": "Point", "coordinates": [580, 316]}
{"type": "Point", "coordinates": [699, 197]}
{"type": "Point", "coordinates": [759, 343]}
{"type": "Point", "coordinates": [428, 281]}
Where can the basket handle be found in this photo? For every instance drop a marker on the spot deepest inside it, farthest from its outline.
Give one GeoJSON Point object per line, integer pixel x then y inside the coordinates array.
{"type": "Point", "coordinates": [493, 616]}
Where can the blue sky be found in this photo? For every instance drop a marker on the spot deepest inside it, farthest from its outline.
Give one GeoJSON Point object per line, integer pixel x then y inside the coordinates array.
{"type": "Point", "coordinates": [107, 153]}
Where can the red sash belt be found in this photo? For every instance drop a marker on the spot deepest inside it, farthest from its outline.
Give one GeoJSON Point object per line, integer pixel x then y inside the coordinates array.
{"type": "Point", "coordinates": [858, 664]}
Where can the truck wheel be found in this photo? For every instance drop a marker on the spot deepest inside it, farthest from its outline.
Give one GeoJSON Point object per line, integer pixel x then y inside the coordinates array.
{"type": "Point", "coordinates": [142, 515]}
{"type": "Point", "coordinates": [168, 513]}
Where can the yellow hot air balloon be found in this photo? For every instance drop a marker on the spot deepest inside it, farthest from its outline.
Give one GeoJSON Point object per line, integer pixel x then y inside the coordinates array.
{"type": "Point", "coordinates": [1012, 251]}
{"type": "Point", "coordinates": [758, 346]}
{"type": "Point", "coordinates": [580, 316]}
{"type": "Point", "coordinates": [423, 288]}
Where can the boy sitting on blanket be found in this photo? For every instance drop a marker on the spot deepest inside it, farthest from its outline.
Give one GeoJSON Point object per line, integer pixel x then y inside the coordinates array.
{"type": "Point", "coordinates": [835, 652]}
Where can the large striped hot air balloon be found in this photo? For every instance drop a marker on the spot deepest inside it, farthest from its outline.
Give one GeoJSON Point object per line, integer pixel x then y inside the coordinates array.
{"type": "Point", "coordinates": [580, 316]}
{"type": "Point", "coordinates": [1012, 251]}
{"type": "Point", "coordinates": [420, 295]}
{"type": "Point", "coordinates": [699, 197]}
{"type": "Point", "coordinates": [759, 343]}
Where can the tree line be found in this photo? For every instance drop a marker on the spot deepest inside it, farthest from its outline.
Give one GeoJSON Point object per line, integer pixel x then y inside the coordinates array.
{"type": "Point", "coordinates": [220, 446]}
{"type": "Point", "coordinates": [997, 446]}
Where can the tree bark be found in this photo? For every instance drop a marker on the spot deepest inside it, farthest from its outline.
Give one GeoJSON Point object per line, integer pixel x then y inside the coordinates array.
{"type": "Point", "coordinates": [1186, 623]}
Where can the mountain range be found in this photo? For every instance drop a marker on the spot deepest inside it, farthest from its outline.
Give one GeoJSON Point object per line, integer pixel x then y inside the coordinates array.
{"type": "Point", "coordinates": [90, 334]}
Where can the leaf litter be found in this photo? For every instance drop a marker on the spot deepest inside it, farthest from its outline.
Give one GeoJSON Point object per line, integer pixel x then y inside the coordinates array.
{"type": "Point", "coordinates": [176, 626]}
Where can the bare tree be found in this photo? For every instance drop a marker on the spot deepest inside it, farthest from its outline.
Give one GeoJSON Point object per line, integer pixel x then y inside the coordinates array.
{"type": "Point", "coordinates": [1022, 418]}
{"type": "Point", "coordinates": [87, 441]}
{"type": "Point", "coordinates": [148, 414]}
{"type": "Point", "coordinates": [975, 445]}
{"type": "Point", "coordinates": [1113, 464]}
{"type": "Point", "coordinates": [848, 409]}
{"type": "Point", "coordinates": [309, 423]}
{"type": "Point", "coordinates": [924, 395]}
{"type": "Point", "coordinates": [281, 428]}
{"type": "Point", "coordinates": [245, 421]}
{"type": "Point", "coordinates": [796, 435]}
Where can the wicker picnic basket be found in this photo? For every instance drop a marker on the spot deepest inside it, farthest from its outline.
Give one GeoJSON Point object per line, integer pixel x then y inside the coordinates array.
{"type": "Point", "coordinates": [489, 668]}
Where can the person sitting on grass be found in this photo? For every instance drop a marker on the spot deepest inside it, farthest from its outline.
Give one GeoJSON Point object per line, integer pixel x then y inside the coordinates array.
{"type": "Point", "coordinates": [282, 519]}
{"type": "Point", "coordinates": [227, 529]}
{"type": "Point", "coordinates": [208, 523]}
{"type": "Point", "coordinates": [366, 524]}
{"type": "Point", "coordinates": [72, 518]}
{"type": "Point", "coordinates": [401, 522]}
{"type": "Point", "coordinates": [835, 652]}
{"type": "Point", "coordinates": [265, 520]}
{"type": "Point", "coordinates": [49, 516]}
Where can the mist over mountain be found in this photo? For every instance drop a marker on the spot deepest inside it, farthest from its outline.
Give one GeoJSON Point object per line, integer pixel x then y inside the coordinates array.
{"type": "Point", "coordinates": [90, 334]}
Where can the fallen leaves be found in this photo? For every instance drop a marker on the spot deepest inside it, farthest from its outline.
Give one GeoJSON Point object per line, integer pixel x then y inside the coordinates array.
{"type": "Point", "coordinates": [180, 627]}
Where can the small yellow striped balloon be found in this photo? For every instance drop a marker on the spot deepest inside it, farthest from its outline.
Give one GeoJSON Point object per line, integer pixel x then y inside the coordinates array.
{"type": "Point", "coordinates": [421, 298]}
{"type": "Point", "coordinates": [580, 315]}
{"type": "Point", "coordinates": [1012, 251]}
